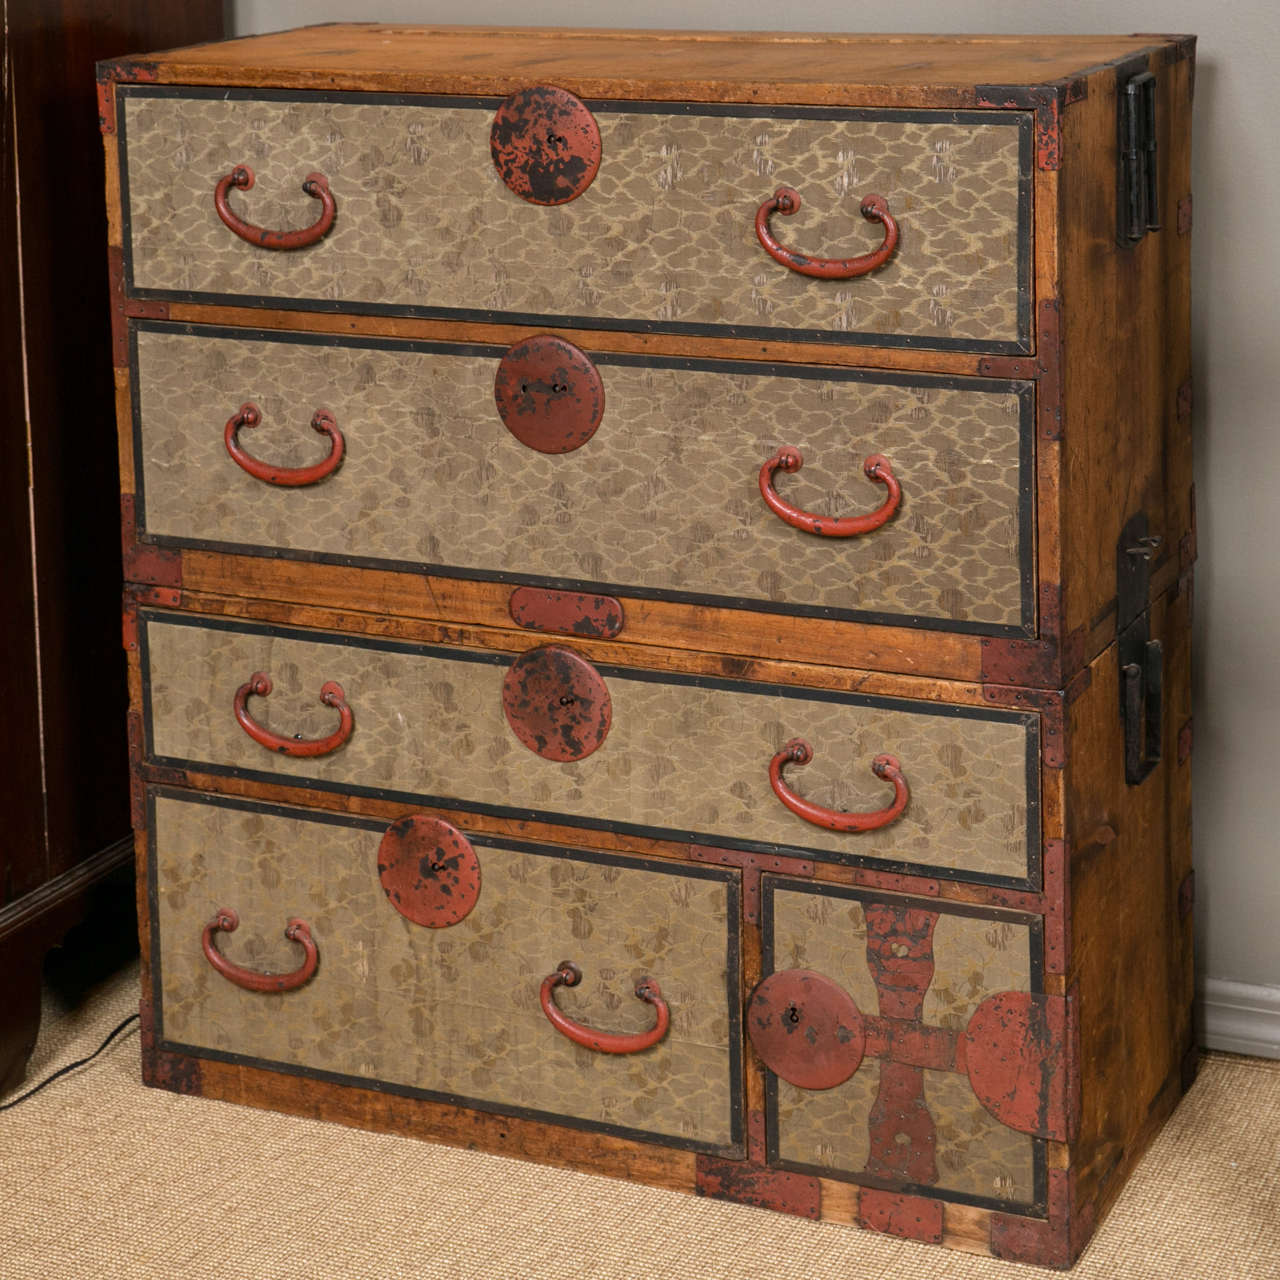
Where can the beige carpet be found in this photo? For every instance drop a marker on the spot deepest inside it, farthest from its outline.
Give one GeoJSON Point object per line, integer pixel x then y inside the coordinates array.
{"type": "Point", "coordinates": [102, 1178]}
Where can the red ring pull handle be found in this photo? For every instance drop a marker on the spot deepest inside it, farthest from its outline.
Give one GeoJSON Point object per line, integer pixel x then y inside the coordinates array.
{"type": "Point", "coordinates": [316, 185]}
{"type": "Point", "coordinates": [797, 751]}
{"type": "Point", "coordinates": [331, 695]}
{"type": "Point", "coordinates": [568, 974]}
{"type": "Point", "coordinates": [226, 921]}
{"type": "Point", "coordinates": [249, 415]}
{"type": "Point", "coordinates": [786, 200]}
{"type": "Point", "coordinates": [877, 467]}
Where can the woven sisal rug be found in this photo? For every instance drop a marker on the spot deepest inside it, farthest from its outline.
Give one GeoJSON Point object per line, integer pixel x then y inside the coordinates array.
{"type": "Point", "coordinates": [101, 1178]}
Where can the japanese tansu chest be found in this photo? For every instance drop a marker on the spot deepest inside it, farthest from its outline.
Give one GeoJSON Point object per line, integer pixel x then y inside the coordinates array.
{"type": "Point", "coordinates": [659, 582]}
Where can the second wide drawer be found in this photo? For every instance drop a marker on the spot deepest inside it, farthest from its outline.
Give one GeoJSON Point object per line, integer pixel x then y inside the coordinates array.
{"type": "Point", "coordinates": [662, 501]}
{"type": "Point", "coordinates": [681, 757]}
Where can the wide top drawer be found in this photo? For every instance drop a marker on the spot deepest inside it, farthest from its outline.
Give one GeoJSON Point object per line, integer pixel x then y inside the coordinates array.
{"type": "Point", "coordinates": [663, 239]}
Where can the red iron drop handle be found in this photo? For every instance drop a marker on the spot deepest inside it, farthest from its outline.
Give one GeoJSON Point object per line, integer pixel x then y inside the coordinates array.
{"type": "Point", "coordinates": [316, 185]}
{"type": "Point", "coordinates": [331, 695]}
{"type": "Point", "coordinates": [249, 415]}
{"type": "Point", "coordinates": [226, 921]}
{"type": "Point", "coordinates": [797, 751]}
{"type": "Point", "coordinates": [786, 200]}
{"type": "Point", "coordinates": [568, 974]}
{"type": "Point", "coordinates": [877, 467]}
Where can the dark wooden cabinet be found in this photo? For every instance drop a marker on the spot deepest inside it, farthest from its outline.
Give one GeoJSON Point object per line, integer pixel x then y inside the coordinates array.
{"type": "Point", "coordinates": [63, 760]}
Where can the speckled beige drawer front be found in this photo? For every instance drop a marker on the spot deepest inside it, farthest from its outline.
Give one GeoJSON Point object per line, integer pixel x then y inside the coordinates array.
{"type": "Point", "coordinates": [685, 757]}
{"type": "Point", "coordinates": [663, 500]}
{"type": "Point", "coordinates": [453, 1012]}
{"type": "Point", "coordinates": [929, 966]}
{"type": "Point", "coordinates": [664, 237]}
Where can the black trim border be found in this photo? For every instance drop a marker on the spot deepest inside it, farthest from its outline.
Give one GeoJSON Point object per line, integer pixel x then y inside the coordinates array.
{"type": "Point", "coordinates": [769, 883]}
{"type": "Point", "coordinates": [729, 877]}
{"type": "Point", "coordinates": [1023, 120]}
{"type": "Point", "coordinates": [1029, 719]}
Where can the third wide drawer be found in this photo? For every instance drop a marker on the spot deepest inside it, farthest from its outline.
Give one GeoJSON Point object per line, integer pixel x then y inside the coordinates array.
{"type": "Point", "coordinates": [549, 735]}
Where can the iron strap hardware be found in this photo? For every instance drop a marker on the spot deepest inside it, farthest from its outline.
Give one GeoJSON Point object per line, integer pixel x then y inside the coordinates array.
{"type": "Point", "coordinates": [1141, 658]}
{"type": "Point", "coordinates": [1143, 686]}
{"type": "Point", "coordinates": [1139, 187]}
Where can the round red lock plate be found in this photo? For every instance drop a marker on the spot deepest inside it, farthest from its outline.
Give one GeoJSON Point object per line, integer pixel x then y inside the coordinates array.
{"type": "Point", "coordinates": [549, 394]}
{"type": "Point", "coordinates": [545, 145]}
{"type": "Point", "coordinates": [429, 871]}
{"type": "Point", "coordinates": [806, 1029]}
{"type": "Point", "coordinates": [557, 703]}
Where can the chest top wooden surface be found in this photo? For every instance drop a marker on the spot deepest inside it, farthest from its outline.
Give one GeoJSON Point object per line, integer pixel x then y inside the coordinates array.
{"type": "Point", "coordinates": [708, 66]}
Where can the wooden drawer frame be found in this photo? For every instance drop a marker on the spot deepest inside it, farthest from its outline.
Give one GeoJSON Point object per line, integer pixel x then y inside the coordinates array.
{"type": "Point", "coordinates": [1106, 852]}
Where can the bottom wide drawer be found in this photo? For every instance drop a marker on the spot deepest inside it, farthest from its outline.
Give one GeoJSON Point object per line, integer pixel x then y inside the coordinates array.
{"type": "Point", "coordinates": [339, 947]}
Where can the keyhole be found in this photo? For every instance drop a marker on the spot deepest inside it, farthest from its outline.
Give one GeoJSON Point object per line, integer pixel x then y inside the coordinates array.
{"type": "Point", "coordinates": [793, 1014]}
{"type": "Point", "coordinates": [558, 387]}
{"type": "Point", "coordinates": [568, 700]}
{"type": "Point", "coordinates": [556, 139]}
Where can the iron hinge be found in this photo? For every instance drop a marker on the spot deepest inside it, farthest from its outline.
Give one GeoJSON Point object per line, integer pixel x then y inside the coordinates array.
{"type": "Point", "coordinates": [1141, 658]}
{"type": "Point", "coordinates": [1139, 177]}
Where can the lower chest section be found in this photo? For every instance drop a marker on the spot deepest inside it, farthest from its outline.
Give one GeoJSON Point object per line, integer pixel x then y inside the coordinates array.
{"type": "Point", "coordinates": [605, 992]}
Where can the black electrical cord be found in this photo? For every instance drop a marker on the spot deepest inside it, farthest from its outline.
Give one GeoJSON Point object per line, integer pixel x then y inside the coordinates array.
{"type": "Point", "coordinates": [71, 1066]}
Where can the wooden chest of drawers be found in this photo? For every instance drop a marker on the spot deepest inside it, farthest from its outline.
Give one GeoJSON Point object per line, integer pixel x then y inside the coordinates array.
{"type": "Point", "coordinates": [538, 756]}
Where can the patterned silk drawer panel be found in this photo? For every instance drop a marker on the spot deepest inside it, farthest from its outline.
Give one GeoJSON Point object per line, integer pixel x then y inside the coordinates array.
{"type": "Point", "coordinates": [453, 1012]}
{"type": "Point", "coordinates": [663, 238]}
{"type": "Point", "coordinates": [663, 500]}
{"type": "Point", "coordinates": [918, 971]}
{"type": "Point", "coordinates": [685, 758]}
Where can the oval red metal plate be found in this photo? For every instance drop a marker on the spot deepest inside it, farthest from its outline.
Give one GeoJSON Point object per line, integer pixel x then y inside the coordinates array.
{"type": "Point", "coordinates": [545, 144]}
{"type": "Point", "coordinates": [569, 612]}
{"type": "Point", "coordinates": [557, 704]}
{"type": "Point", "coordinates": [806, 1029]}
{"type": "Point", "coordinates": [429, 871]}
{"type": "Point", "coordinates": [549, 394]}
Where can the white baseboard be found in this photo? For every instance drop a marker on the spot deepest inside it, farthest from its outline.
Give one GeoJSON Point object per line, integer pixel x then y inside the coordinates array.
{"type": "Point", "coordinates": [1240, 1018]}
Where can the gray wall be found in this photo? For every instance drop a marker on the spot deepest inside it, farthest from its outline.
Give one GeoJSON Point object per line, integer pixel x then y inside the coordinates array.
{"type": "Point", "coordinates": [1237, 356]}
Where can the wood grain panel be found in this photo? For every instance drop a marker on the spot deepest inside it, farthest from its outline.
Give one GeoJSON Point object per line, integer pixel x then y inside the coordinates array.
{"type": "Point", "coordinates": [704, 66]}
